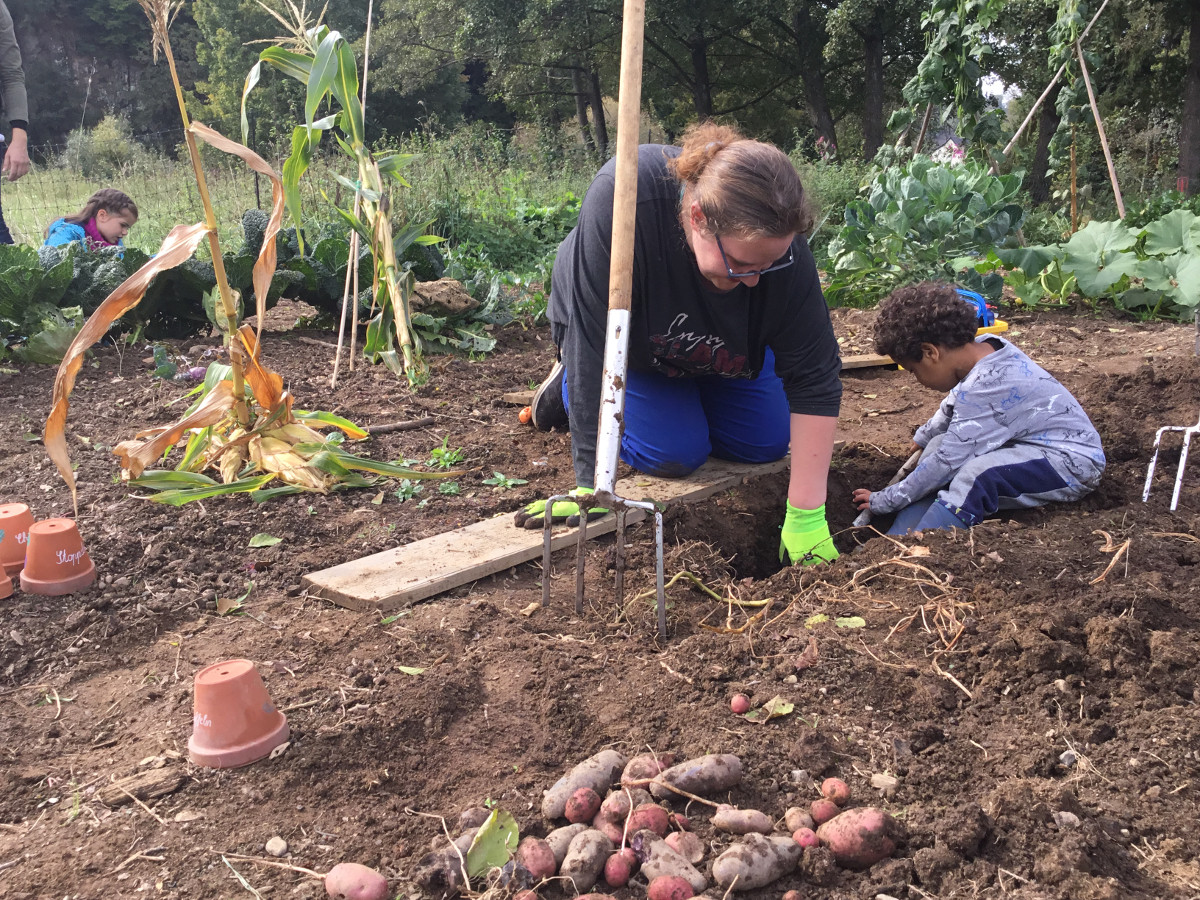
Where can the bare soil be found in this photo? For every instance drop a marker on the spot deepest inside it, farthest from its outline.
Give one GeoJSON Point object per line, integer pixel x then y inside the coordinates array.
{"type": "Point", "coordinates": [1030, 686]}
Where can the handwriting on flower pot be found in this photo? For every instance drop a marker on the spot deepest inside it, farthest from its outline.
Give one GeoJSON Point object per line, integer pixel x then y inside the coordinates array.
{"type": "Point", "coordinates": [22, 537]}
{"type": "Point", "coordinates": [201, 720]}
{"type": "Point", "coordinates": [65, 558]}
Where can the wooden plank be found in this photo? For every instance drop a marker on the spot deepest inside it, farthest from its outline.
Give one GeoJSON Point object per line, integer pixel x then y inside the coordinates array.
{"type": "Point", "coordinates": [518, 398]}
{"type": "Point", "coordinates": [866, 361]}
{"type": "Point", "coordinates": [403, 575]}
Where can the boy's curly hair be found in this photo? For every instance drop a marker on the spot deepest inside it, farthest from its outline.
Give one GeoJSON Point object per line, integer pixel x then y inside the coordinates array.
{"type": "Point", "coordinates": [927, 313]}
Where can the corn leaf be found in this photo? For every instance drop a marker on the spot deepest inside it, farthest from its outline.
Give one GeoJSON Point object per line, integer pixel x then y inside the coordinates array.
{"type": "Point", "coordinates": [295, 65]}
{"type": "Point", "coordinates": [294, 168]}
{"type": "Point", "coordinates": [180, 496]}
{"type": "Point", "coordinates": [362, 464]}
{"type": "Point", "coordinates": [352, 431]}
{"type": "Point", "coordinates": [178, 246]}
{"type": "Point", "coordinates": [136, 455]}
{"type": "Point", "coordinates": [158, 480]}
{"type": "Point", "coordinates": [264, 266]}
{"type": "Point", "coordinates": [252, 79]}
{"type": "Point", "coordinates": [320, 79]}
{"type": "Point", "coordinates": [345, 88]}
{"type": "Point", "coordinates": [266, 385]}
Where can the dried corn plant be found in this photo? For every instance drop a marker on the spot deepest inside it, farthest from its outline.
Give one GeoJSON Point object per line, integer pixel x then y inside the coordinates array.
{"type": "Point", "coordinates": [242, 425]}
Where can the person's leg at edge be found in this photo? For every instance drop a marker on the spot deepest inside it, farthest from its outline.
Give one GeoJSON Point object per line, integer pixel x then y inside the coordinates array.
{"type": "Point", "coordinates": [1014, 477]}
{"type": "Point", "coordinates": [666, 432]}
{"type": "Point", "coordinates": [908, 519]}
{"type": "Point", "coordinates": [748, 418]}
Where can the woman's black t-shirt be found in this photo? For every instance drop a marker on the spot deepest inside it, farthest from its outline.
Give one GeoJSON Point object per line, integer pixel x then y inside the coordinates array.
{"type": "Point", "coordinates": [680, 325]}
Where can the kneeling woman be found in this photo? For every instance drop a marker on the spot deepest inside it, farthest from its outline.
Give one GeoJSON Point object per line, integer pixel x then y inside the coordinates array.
{"type": "Point", "coordinates": [731, 352]}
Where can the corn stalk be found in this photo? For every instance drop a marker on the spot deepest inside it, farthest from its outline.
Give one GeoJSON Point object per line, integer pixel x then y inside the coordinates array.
{"type": "Point", "coordinates": [242, 425]}
{"type": "Point", "coordinates": [324, 63]}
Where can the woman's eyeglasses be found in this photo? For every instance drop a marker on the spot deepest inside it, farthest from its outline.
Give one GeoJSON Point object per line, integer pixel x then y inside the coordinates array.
{"type": "Point", "coordinates": [732, 274]}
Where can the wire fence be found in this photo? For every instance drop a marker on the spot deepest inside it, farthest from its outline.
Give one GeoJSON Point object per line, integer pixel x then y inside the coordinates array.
{"type": "Point", "coordinates": [64, 176]}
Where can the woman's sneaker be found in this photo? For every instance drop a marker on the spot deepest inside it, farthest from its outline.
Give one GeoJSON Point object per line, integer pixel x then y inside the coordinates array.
{"type": "Point", "coordinates": [548, 411]}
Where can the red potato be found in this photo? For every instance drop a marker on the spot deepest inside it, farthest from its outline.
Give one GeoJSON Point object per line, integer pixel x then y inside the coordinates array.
{"type": "Point", "coordinates": [741, 821]}
{"type": "Point", "coordinates": [525, 895]}
{"type": "Point", "coordinates": [712, 774]}
{"type": "Point", "coordinates": [536, 856]}
{"type": "Point", "coordinates": [595, 897]}
{"type": "Point", "coordinates": [351, 881]}
{"type": "Point", "coordinates": [686, 845]}
{"type": "Point", "coordinates": [669, 887]}
{"type": "Point", "coordinates": [806, 838]}
{"type": "Point", "coordinates": [859, 838]}
{"type": "Point", "coordinates": [612, 815]}
{"type": "Point", "coordinates": [560, 839]}
{"type": "Point", "coordinates": [793, 895]}
{"type": "Point", "coordinates": [755, 861]}
{"type": "Point", "coordinates": [740, 704]}
{"type": "Point", "coordinates": [641, 770]}
{"type": "Point", "coordinates": [823, 811]}
{"type": "Point", "coordinates": [836, 790]}
{"type": "Point", "coordinates": [585, 859]}
{"type": "Point", "coordinates": [639, 796]}
{"type": "Point", "coordinates": [658, 858]}
{"type": "Point", "coordinates": [582, 805]}
{"type": "Point", "coordinates": [597, 773]}
{"type": "Point", "coordinates": [797, 818]}
{"type": "Point", "coordinates": [619, 868]}
{"type": "Point", "coordinates": [650, 816]}
{"type": "Point", "coordinates": [680, 821]}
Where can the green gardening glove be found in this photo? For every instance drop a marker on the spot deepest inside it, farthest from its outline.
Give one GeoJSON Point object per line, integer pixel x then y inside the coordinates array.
{"type": "Point", "coordinates": [534, 515]}
{"type": "Point", "coordinates": [805, 537]}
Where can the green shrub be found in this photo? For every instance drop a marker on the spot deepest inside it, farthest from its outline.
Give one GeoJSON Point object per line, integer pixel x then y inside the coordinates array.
{"type": "Point", "coordinates": [103, 152]}
{"type": "Point", "coordinates": [916, 219]}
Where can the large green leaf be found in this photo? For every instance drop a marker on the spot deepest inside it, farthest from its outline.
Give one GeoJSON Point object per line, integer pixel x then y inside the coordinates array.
{"type": "Point", "coordinates": [294, 168]}
{"type": "Point", "coordinates": [1099, 242]}
{"type": "Point", "coordinates": [252, 79]}
{"type": "Point", "coordinates": [1096, 280]}
{"type": "Point", "coordinates": [1029, 260]}
{"type": "Point", "coordinates": [1172, 233]}
{"type": "Point", "coordinates": [1179, 279]}
{"type": "Point", "coordinates": [494, 844]}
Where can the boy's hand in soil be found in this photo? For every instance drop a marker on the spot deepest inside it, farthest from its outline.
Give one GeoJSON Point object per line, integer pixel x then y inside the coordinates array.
{"type": "Point", "coordinates": [861, 498]}
{"type": "Point", "coordinates": [534, 515]}
{"type": "Point", "coordinates": [804, 538]}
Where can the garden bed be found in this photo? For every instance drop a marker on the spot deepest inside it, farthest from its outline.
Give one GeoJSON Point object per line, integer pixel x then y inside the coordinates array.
{"type": "Point", "coordinates": [1035, 703]}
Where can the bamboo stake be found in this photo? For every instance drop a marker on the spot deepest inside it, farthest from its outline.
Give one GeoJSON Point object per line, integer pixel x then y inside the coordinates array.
{"type": "Point", "coordinates": [351, 265]}
{"type": "Point", "coordinates": [1074, 195]}
{"type": "Point", "coordinates": [1046, 93]}
{"type": "Point", "coordinates": [924, 125]}
{"type": "Point", "coordinates": [1112, 172]}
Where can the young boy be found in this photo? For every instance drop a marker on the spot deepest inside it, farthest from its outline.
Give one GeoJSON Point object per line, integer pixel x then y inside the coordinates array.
{"type": "Point", "coordinates": [1007, 436]}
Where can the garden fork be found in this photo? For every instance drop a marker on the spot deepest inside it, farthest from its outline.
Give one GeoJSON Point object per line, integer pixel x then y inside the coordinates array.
{"type": "Point", "coordinates": [616, 343]}
{"type": "Point", "coordinates": [1188, 431]}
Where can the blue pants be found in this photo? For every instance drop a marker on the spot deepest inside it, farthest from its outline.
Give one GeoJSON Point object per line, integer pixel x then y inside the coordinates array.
{"type": "Point", "coordinates": [672, 425]}
{"type": "Point", "coordinates": [1013, 477]}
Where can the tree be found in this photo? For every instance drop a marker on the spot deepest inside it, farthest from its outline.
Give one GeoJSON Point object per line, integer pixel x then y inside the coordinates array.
{"type": "Point", "coordinates": [1189, 138]}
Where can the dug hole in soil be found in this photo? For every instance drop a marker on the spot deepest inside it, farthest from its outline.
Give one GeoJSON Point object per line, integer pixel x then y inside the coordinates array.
{"type": "Point", "coordinates": [1026, 690]}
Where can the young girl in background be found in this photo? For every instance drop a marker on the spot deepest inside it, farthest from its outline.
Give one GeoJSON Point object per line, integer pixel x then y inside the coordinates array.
{"type": "Point", "coordinates": [104, 220]}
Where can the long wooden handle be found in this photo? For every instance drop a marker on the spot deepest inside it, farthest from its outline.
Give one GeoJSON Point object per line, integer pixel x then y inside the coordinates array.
{"type": "Point", "coordinates": [620, 273]}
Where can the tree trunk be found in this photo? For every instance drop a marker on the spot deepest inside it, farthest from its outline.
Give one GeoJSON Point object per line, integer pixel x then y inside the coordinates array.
{"type": "Point", "coordinates": [581, 105]}
{"type": "Point", "coordinates": [873, 89]}
{"type": "Point", "coordinates": [810, 43]}
{"type": "Point", "coordinates": [701, 88]}
{"type": "Point", "coordinates": [598, 118]}
{"type": "Point", "coordinates": [1189, 138]}
{"type": "Point", "coordinates": [1048, 118]}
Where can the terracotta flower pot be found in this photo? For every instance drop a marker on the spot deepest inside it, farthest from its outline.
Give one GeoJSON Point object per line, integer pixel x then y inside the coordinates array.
{"type": "Point", "coordinates": [235, 722]}
{"type": "Point", "coordinates": [15, 519]}
{"type": "Point", "coordinates": [5, 584]}
{"type": "Point", "coordinates": [55, 559]}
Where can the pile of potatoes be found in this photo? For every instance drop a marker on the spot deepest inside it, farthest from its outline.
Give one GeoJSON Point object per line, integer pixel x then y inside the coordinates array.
{"type": "Point", "coordinates": [616, 833]}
